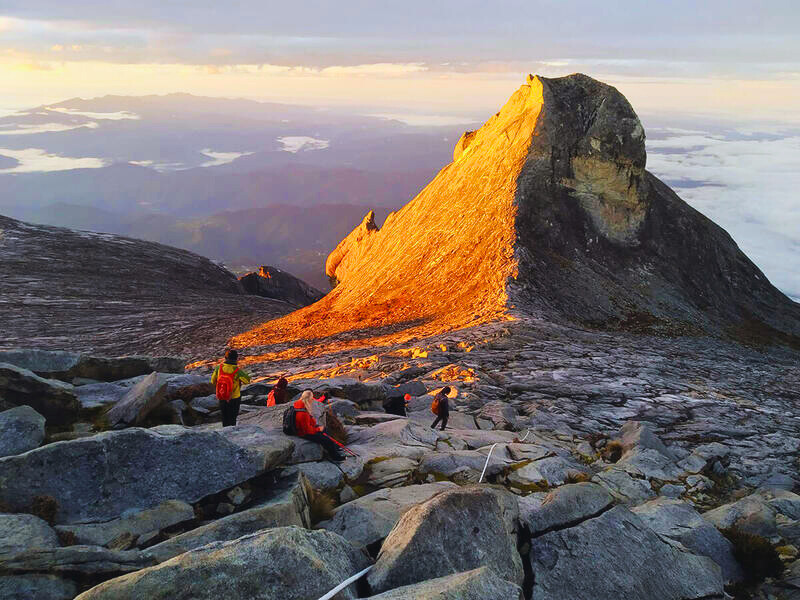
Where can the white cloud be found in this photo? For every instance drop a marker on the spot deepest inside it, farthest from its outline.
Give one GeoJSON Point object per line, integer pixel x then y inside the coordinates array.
{"type": "Point", "coordinates": [221, 158]}
{"type": "Point", "coordinates": [296, 143]}
{"type": "Point", "coordinates": [112, 116]}
{"type": "Point", "coordinates": [750, 187]}
{"type": "Point", "coordinates": [43, 128]}
{"type": "Point", "coordinates": [35, 159]}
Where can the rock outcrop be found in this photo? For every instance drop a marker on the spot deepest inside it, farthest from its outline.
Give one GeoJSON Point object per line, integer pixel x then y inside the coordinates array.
{"type": "Point", "coordinates": [116, 295]}
{"type": "Point", "coordinates": [617, 555]}
{"type": "Point", "coordinates": [271, 282]}
{"type": "Point", "coordinates": [546, 210]}
{"type": "Point", "coordinates": [287, 563]}
{"type": "Point", "coordinates": [21, 429]}
{"type": "Point", "coordinates": [478, 584]}
{"type": "Point", "coordinates": [53, 399]}
{"type": "Point", "coordinates": [98, 478]}
{"type": "Point", "coordinates": [445, 529]}
{"type": "Point", "coordinates": [67, 366]}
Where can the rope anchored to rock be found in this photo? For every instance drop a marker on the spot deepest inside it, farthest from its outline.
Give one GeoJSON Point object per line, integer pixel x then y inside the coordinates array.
{"type": "Point", "coordinates": [487, 463]}
{"type": "Point", "coordinates": [345, 583]}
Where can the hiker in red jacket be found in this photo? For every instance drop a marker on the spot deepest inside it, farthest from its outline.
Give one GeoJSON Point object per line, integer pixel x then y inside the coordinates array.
{"type": "Point", "coordinates": [307, 428]}
{"type": "Point", "coordinates": [277, 395]}
{"type": "Point", "coordinates": [442, 406]}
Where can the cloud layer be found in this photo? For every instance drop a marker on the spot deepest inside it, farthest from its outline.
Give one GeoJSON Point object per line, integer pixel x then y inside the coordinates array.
{"type": "Point", "coordinates": [747, 181]}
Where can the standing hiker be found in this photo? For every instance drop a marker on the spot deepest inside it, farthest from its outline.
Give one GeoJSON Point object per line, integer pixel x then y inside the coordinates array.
{"type": "Point", "coordinates": [306, 425]}
{"type": "Point", "coordinates": [441, 407]}
{"type": "Point", "coordinates": [277, 395]}
{"type": "Point", "coordinates": [228, 379]}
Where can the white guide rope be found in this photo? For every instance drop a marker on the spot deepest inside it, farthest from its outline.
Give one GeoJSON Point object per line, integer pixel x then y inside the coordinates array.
{"type": "Point", "coordinates": [487, 463]}
{"type": "Point", "coordinates": [345, 583]}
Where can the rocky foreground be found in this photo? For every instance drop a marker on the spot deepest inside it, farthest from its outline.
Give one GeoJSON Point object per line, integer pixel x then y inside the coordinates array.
{"type": "Point", "coordinates": [611, 470]}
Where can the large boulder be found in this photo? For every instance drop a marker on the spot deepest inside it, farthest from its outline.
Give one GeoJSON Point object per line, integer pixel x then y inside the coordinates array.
{"type": "Point", "coordinates": [52, 399]}
{"type": "Point", "coordinates": [288, 563]}
{"type": "Point", "coordinates": [96, 395]}
{"type": "Point", "coordinates": [478, 584]}
{"type": "Point", "coordinates": [142, 399]}
{"type": "Point", "coordinates": [682, 523]}
{"type": "Point", "coordinates": [93, 561]}
{"type": "Point", "coordinates": [287, 504]}
{"type": "Point", "coordinates": [398, 437]}
{"type": "Point", "coordinates": [463, 466]}
{"type": "Point", "coordinates": [438, 538]}
{"type": "Point", "coordinates": [322, 476]}
{"type": "Point", "coordinates": [625, 489]}
{"type": "Point", "coordinates": [69, 365]}
{"type": "Point", "coordinates": [563, 506]}
{"type": "Point", "coordinates": [99, 478]}
{"type": "Point", "coordinates": [19, 533]}
{"type": "Point", "coordinates": [21, 429]}
{"type": "Point", "coordinates": [770, 513]}
{"type": "Point", "coordinates": [135, 523]}
{"type": "Point", "coordinates": [616, 555]}
{"type": "Point", "coordinates": [369, 519]}
{"type": "Point", "coordinates": [36, 587]}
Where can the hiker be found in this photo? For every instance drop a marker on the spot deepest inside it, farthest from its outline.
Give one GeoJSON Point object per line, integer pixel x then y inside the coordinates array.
{"type": "Point", "coordinates": [277, 395]}
{"type": "Point", "coordinates": [228, 379]}
{"type": "Point", "coordinates": [441, 407]}
{"type": "Point", "coordinates": [397, 406]}
{"type": "Point", "coordinates": [307, 427]}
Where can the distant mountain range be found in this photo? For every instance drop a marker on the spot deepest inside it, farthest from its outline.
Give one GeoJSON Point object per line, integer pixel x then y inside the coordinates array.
{"type": "Point", "coordinates": [231, 179]}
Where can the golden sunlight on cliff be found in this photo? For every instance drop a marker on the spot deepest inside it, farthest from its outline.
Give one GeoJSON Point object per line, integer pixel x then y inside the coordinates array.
{"type": "Point", "coordinates": [438, 264]}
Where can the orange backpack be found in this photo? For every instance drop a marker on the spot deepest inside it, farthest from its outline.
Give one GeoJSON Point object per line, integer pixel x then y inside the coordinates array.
{"type": "Point", "coordinates": [435, 405]}
{"type": "Point", "coordinates": [271, 397]}
{"type": "Point", "coordinates": [225, 384]}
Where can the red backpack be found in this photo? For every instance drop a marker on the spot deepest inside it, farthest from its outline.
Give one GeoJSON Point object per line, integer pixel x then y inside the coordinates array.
{"type": "Point", "coordinates": [225, 384]}
{"type": "Point", "coordinates": [271, 397]}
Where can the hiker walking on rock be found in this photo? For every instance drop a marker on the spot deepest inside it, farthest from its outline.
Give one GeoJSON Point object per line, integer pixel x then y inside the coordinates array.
{"type": "Point", "coordinates": [228, 379]}
{"type": "Point", "coordinates": [441, 408]}
{"type": "Point", "coordinates": [307, 427]}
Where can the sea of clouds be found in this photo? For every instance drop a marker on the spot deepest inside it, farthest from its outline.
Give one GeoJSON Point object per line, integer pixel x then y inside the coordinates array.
{"type": "Point", "coordinates": [747, 180]}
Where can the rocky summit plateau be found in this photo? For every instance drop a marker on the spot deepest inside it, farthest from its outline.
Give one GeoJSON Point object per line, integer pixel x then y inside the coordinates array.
{"type": "Point", "coordinates": [624, 396]}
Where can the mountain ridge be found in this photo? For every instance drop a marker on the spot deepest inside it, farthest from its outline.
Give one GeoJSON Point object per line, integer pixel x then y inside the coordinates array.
{"type": "Point", "coordinates": [546, 211]}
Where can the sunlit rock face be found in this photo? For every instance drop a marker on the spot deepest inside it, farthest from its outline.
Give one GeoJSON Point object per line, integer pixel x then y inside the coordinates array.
{"type": "Point", "coordinates": [547, 210]}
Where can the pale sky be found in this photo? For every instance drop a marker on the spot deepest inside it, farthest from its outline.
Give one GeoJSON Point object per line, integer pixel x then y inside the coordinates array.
{"type": "Point", "coordinates": [731, 58]}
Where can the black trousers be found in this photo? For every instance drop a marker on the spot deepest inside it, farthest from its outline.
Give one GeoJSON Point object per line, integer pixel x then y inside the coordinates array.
{"type": "Point", "coordinates": [324, 441]}
{"type": "Point", "coordinates": [230, 411]}
{"type": "Point", "coordinates": [443, 418]}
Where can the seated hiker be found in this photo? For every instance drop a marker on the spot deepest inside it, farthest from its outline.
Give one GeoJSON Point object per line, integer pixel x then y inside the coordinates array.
{"type": "Point", "coordinates": [397, 406]}
{"type": "Point", "coordinates": [441, 407]}
{"type": "Point", "coordinates": [277, 395]}
{"type": "Point", "coordinates": [307, 427]}
{"type": "Point", "coordinates": [228, 379]}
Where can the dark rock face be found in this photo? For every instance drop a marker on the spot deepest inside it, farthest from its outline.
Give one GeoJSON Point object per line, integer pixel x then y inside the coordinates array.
{"type": "Point", "coordinates": [90, 292]}
{"type": "Point", "coordinates": [602, 241]}
{"type": "Point", "coordinates": [54, 400]}
{"type": "Point", "coordinates": [68, 365]}
{"type": "Point", "coordinates": [273, 283]}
